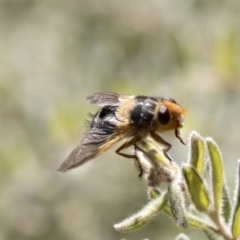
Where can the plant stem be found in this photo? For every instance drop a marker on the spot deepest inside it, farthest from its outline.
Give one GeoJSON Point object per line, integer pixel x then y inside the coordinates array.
{"type": "Point", "coordinates": [221, 228]}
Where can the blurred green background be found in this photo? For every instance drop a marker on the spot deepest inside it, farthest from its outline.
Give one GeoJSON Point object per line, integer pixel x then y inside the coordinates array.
{"type": "Point", "coordinates": [55, 53]}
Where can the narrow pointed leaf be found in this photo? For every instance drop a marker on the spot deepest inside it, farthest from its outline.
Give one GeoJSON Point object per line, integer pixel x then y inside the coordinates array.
{"type": "Point", "coordinates": [236, 214]}
{"type": "Point", "coordinates": [197, 152]}
{"type": "Point", "coordinates": [143, 216]}
{"type": "Point", "coordinates": [217, 172]}
{"type": "Point", "coordinates": [226, 204]}
{"type": "Point", "coordinates": [196, 188]}
{"type": "Point", "coordinates": [154, 153]}
{"type": "Point", "coordinates": [176, 203]}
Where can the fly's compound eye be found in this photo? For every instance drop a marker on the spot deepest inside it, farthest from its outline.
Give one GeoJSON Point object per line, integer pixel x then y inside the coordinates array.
{"type": "Point", "coordinates": [163, 115]}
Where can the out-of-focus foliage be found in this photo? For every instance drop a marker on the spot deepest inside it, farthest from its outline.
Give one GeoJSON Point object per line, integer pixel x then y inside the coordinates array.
{"type": "Point", "coordinates": [55, 53]}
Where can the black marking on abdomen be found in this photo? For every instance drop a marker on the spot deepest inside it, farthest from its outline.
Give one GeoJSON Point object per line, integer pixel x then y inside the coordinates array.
{"type": "Point", "coordinates": [100, 126]}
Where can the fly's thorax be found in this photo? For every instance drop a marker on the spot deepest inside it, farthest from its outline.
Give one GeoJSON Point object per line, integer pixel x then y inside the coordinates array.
{"type": "Point", "coordinates": [142, 112]}
{"type": "Point", "coordinates": [169, 115]}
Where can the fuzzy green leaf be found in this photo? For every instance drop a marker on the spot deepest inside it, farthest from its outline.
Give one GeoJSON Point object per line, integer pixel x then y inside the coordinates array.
{"type": "Point", "coordinates": [236, 214]}
{"type": "Point", "coordinates": [143, 216]}
{"type": "Point", "coordinates": [176, 203]}
{"type": "Point", "coordinates": [197, 152]}
{"type": "Point", "coordinates": [154, 153]}
{"type": "Point", "coordinates": [196, 188]}
{"type": "Point", "coordinates": [226, 204]}
{"type": "Point", "coordinates": [217, 172]}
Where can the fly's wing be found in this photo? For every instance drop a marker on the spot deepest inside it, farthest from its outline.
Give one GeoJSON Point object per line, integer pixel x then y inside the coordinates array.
{"type": "Point", "coordinates": [103, 99]}
{"type": "Point", "coordinates": [108, 98]}
{"type": "Point", "coordinates": [82, 153]}
{"type": "Point", "coordinates": [97, 140]}
{"type": "Point", "coordinates": [105, 129]}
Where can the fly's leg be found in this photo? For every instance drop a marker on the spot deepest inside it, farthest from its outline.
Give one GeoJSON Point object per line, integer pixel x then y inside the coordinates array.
{"type": "Point", "coordinates": [136, 159]}
{"type": "Point", "coordinates": [158, 139]}
{"type": "Point", "coordinates": [177, 134]}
